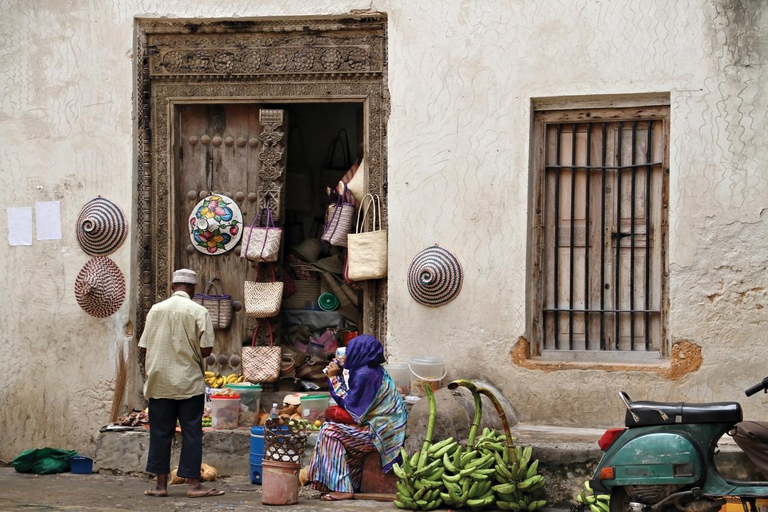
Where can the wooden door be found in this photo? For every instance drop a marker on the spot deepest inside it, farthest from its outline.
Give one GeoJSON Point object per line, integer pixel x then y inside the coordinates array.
{"type": "Point", "coordinates": [234, 150]}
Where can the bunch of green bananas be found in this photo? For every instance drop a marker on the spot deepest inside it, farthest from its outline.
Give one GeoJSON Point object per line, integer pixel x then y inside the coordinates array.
{"type": "Point", "coordinates": [596, 502]}
{"type": "Point", "coordinates": [420, 489]}
{"type": "Point", "coordinates": [470, 474]}
{"type": "Point", "coordinates": [520, 487]}
{"type": "Point", "coordinates": [419, 477]}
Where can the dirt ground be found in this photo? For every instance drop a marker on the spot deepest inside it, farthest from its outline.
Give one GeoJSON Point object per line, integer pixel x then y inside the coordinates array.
{"type": "Point", "coordinates": [108, 493]}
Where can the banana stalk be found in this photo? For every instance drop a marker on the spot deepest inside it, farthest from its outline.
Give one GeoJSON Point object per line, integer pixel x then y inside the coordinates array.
{"type": "Point", "coordinates": [430, 426]}
{"type": "Point", "coordinates": [504, 421]}
{"type": "Point", "coordinates": [478, 407]}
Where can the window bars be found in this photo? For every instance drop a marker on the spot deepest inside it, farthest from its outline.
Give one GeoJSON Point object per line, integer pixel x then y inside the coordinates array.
{"type": "Point", "coordinates": [602, 272]}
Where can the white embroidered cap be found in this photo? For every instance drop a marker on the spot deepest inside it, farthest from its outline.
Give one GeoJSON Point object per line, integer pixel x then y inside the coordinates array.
{"type": "Point", "coordinates": [185, 275]}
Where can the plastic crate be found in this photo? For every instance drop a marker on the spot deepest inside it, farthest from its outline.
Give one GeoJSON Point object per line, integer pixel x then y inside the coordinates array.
{"type": "Point", "coordinates": [81, 465]}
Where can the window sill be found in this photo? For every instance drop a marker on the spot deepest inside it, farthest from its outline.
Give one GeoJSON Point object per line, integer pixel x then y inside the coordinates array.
{"type": "Point", "coordinates": [685, 357]}
{"type": "Point", "coordinates": [602, 357]}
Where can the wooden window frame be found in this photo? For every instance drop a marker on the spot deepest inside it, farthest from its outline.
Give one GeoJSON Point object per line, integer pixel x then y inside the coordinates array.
{"type": "Point", "coordinates": [583, 109]}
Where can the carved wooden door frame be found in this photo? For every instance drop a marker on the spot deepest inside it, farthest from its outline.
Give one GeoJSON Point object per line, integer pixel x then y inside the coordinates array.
{"type": "Point", "coordinates": [330, 59]}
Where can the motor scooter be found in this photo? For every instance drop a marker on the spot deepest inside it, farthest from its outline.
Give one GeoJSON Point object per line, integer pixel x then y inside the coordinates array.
{"type": "Point", "coordinates": [664, 458]}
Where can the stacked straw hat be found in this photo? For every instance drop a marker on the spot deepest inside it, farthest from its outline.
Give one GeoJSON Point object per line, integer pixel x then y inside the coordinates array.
{"type": "Point", "coordinates": [101, 227]}
{"type": "Point", "coordinates": [435, 277]}
{"type": "Point", "coordinates": [100, 287]}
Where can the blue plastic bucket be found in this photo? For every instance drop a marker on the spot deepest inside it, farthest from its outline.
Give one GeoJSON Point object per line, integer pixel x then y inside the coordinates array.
{"type": "Point", "coordinates": [81, 465]}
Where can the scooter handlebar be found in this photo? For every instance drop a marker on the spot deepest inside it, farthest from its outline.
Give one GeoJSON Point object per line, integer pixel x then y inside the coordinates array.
{"type": "Point", "coordinates": [757, 387]}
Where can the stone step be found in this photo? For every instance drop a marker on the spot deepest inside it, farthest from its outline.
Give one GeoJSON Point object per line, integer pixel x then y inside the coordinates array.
{"type": "Point", "coordinates": [567, 455]}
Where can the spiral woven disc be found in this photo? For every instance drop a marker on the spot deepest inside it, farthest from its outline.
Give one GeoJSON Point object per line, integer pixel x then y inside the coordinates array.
{"type": "Point", "coordinates": [101, 227]}
{"type": "Point", "coordinates": [100, 287]}
{"type": "Point", "coordinates": [435, 277]}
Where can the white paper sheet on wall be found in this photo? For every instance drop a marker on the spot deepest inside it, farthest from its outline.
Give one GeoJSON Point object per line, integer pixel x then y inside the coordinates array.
{"type": "Point", "coordinates": [48, 220]}
{"type": "Point", "coordinates": [20, 226]}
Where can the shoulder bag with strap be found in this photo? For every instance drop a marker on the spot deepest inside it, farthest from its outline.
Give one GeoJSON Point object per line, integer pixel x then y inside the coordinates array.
{"type": "Point", "coordinates": [261, 364]}
{"type": "Point", "coordinates": [262, 300]}
{"type": "Point", "coordinates": [218, 305]}
{"type": "Point", "coordinates": [367, 250]}
{"type": "Point", "coordinates": [262, 243]}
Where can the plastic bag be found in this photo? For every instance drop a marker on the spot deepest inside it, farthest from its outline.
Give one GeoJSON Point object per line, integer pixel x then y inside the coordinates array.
{"type": "Point", "coordinates": [43, 461]}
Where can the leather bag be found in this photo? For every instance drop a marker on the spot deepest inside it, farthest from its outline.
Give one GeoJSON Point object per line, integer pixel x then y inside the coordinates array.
{"type": "Point", "coordinates": [261, 364]}
{"type": "Point", "coordinates": [367, 250]}
{"type": "Point", "coordinates": [262, 299]}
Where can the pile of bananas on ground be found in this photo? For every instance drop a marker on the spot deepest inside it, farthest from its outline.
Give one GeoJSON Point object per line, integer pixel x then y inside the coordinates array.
{"type": "Point", "coordinates": [595, 502]}
{"type": "Point", "coordinates": [489, 472]}
{"type": "Point", "coordinates": [219, 381]}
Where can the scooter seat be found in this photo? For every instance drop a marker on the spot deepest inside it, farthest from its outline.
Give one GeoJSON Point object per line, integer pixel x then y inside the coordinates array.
{"type": "Point", "coordinates": [664, 413]}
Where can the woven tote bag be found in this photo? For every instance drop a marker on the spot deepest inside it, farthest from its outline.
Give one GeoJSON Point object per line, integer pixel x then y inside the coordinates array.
{"type": "Point", "coordinates": [367, 250]}
{"type": "Point", "coordinates": [262, 300]}
{"type": "Point", "coordinates": [261, 364]}
{"type": "Point", "coordinates": [339, 219]}
{"type": "Point", "coordinates": [262, 243]}
{"type": "Point", "coordinates": [218, 305]}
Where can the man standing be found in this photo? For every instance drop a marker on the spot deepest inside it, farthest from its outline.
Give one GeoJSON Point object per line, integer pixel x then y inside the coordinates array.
{"type": "Point", "coordinates": [177, 337]}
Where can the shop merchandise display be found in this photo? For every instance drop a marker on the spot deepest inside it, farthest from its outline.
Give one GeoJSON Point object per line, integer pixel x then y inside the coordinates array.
{"type": "Point", "coordinates": [100, 287]}
{"type": "Point", "coordinates": [261, 364]}
{"type": "Point", "coordinates": [218, 305]}
{"type": "Point", "coordinates": [215, 225]}
{"type": "Point", "coordinates": [101, 227]}
{"type": "Point", "coordinates": [262, 299]}
{"type": "Point", "coordinates": [339, 218]}
{"type": "Point", "coordinates": [262, 242]}
{"type": "Point", "coordinates": [367, 250]}
{"type": "Point", "coordinates": [435, 277]}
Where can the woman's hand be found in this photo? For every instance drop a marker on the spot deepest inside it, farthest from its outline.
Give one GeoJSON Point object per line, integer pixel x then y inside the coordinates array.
{"type": "Point", "coordinates": [334, 370]}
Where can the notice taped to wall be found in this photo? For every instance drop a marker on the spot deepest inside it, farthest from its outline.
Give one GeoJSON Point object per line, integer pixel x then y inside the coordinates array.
{"type": "Point", "coordinates": [48, 220]}
{"type": "Point", "coordinates": [20, 226]}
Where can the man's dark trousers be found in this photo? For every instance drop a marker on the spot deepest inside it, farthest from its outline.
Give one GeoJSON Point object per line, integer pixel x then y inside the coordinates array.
{"type": "Point", "coordinates": [163, 413]}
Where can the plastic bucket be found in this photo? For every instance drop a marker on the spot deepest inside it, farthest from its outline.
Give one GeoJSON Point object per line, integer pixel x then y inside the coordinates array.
{"type": "Point", "coordinates": [401, 374]}
{"type": "Point", "coordinates": [250, 403]}
{"type": "Point", "coordinates": [425, 371]}
{"type": "Point", "coordinates": [280, 483]}
{"type": "Point", "coordinates": [256, 456]}
{"type": "Point", "coordinates": [313, 407]}
{"type": "Point", "coordinates": [225, 411]}
{"type": "Point", "coordinates": [81, 465]}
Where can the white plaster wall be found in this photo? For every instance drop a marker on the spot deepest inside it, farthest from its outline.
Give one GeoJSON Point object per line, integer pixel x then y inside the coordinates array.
{"type": "Point", "coordinates": [461, 75]}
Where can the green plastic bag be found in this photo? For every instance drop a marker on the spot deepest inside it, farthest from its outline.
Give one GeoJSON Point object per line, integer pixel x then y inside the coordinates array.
{"type": "Point", "coordinates": [43, 461]}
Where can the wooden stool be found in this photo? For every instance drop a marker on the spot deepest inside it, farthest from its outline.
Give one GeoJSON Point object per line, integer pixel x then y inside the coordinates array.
{"type": "Point", "coordinates": [374, 478]}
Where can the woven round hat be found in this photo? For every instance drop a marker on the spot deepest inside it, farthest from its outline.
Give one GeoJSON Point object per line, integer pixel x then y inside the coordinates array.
{"type": "Point", "coordinates": [101, 227]}
{"type": "Point", "coordinates": [215, 225]}
{"type": "Point", "coordinates": [435, 277]}
{"type": "Point", "coordinates": [100, 287]}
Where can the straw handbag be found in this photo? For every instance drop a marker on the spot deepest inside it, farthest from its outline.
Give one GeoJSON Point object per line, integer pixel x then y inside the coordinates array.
{"type": "Point", "coordinates": [261, 364]}
{"type": "Point", "coordinates": [262, 300]}
{"type": "Point", "coordinates": [262, 243]}
{"type": "Point", "coordinates": [339, 219]}
{"type": "Point", "coordinates": [367, 250]}
{"type": "Point", "coordinates": [218, 305]}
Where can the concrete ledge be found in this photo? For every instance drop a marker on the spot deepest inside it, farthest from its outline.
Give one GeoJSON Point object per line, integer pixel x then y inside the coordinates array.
{"type": "Point", "coordinates": [568, 456]}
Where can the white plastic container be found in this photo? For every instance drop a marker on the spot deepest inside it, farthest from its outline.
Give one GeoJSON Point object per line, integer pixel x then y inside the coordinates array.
{"type": "Point", "coordinates": [426, 371]}
{"type": "Point", "coordinates": [225, 411]}
{"type": "Point", "coordinates": [401, 374]}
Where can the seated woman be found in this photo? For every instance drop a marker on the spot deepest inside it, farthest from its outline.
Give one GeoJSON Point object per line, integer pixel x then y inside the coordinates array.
{"type": "Point", "coordinates": [378, 411]}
